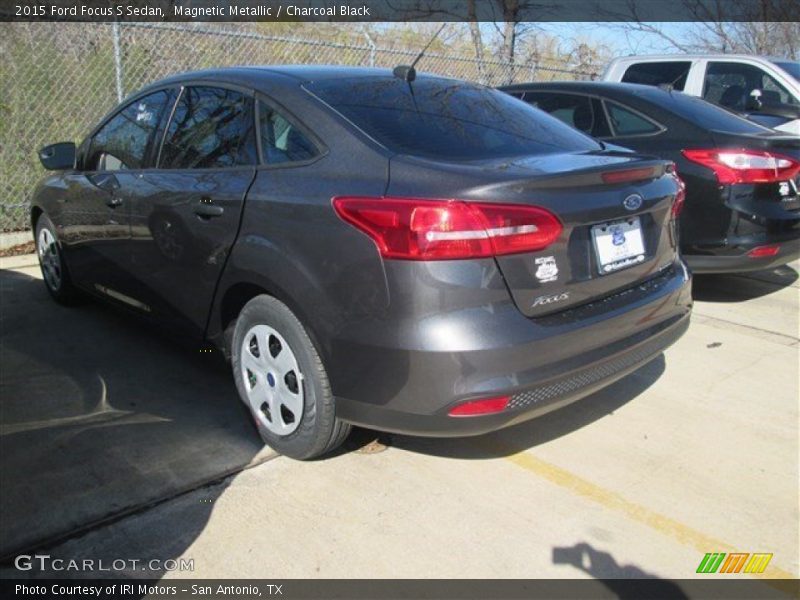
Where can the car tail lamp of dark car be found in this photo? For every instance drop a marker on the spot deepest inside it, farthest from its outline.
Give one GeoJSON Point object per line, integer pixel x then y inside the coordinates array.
{"type": "Point", "coordinates": [745, 166]}
{"type": "Point", "coordinates": [416, 229]}
{"type": "Point", "coordinates": [680, 195]}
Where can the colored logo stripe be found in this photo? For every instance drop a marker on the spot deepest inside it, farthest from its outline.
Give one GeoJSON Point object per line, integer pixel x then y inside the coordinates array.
{"type": "Point", "coordinates": [734, 563]}
{"type": "Point", "coordinates": [757, 563]}
{"type": "Point", "coordinates": [712, 561]}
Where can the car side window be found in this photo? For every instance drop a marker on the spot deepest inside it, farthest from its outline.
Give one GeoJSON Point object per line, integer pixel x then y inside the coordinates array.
{"type": "Point", "coordinates": [673, 73]}
{"type": "Point", "coordinates": [729, 84]}
{"type": "Point", "coordinates": [626, 122]}
{"type": "Point", "coordinates": [580, 112]}
{"type": "Point", "coordinates": [122, 143]}
{"type": "Point", "coordinates": [601, 127]}
{"type": "Point", "coordinates": [210, 128]}
{"type": "Point", "coordinates": [281, 140]}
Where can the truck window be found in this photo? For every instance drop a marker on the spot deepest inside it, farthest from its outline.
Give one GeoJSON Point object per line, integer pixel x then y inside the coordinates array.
{"type": "Point", "coordinates": [729, 84]}
{"type": "Point", "coordinates": [792, 68]}
{"type": "Point", "coordinates": [673, 73]}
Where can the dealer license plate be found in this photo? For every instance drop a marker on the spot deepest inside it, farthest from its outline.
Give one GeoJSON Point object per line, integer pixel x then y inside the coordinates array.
{"type": "Point", "coordinates": [618, 244]}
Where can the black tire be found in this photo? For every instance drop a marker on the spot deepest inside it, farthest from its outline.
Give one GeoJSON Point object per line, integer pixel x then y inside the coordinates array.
{"type": "Point", "coordinates": [55, 272]}
{"type": "Point", "coordinates": [318, 431]}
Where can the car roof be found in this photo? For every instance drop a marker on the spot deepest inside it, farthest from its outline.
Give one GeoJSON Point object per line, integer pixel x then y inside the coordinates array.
{"type": "Point", "coordinates": [656, 102]}
{"type": "Point", "coordinates": [648, 92]}
{"type": "Point", "coordinates": [255, 76]}
{"type": "Point", "coordinates": [696, 56]}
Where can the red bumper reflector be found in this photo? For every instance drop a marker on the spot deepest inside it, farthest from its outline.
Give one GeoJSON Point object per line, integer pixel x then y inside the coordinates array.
{"type": "Point", "coordinates": [763, 251]}
{"type": "Point", "coordinates": [484, 406]}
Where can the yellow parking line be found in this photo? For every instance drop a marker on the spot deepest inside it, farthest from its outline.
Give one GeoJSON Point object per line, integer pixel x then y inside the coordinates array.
{"type": "Point", "coordinates": [612, 500]}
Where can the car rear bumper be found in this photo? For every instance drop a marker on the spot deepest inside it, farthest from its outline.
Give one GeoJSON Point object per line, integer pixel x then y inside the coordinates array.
{"type": "Point", "coordinates": [564, 358]}
{"type": "Point", "coordinates": [740, 261]}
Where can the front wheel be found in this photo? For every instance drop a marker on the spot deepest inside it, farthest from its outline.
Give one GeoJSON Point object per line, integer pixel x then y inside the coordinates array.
{"type": "Point", "coordinates": [282, 381]}
{"type": "Point", "coordinates": [51, 260]}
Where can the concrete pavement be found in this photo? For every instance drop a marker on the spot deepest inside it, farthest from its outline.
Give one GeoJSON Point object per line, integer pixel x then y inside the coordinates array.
{"type": "Point", "coordinates": [100, 416]}
{"type": "Point", "coordinates": [695, 452]}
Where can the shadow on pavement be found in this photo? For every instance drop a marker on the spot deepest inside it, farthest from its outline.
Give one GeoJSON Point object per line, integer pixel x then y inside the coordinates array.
{"type": "Point", "coordinates": [99, 417]}
{"type": "Point", "coordinates": [603, 566]}
{"type": "Point", "coordinates": [540, 430]}
{"type": "Point", "coordinates": [737, 287]}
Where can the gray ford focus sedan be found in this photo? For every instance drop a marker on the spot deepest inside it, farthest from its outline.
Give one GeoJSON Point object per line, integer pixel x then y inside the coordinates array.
{"type": "Point", "coordinates": [404, 252]}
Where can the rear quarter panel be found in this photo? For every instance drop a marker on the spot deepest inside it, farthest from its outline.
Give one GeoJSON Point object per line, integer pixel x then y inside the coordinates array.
{"type": "Point", "coordinates": [292, 244]}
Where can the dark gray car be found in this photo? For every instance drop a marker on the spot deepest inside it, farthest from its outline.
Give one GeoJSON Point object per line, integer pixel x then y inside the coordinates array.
{"type": "Point", "coordinates": [428, 257]}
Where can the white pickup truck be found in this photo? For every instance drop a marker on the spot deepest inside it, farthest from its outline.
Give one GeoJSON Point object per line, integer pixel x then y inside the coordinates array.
{"type": "Point", "coordinates": [766, 90]}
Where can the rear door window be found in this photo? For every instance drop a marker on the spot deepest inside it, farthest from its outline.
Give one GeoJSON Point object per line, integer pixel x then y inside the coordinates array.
{"type": "Point", "coordinates": [123, 142]}
{"type": "Point", "coordinates": [581, 112]}
{"type": "Point", "coordinates": [626, 122]}
{"type": "Point", "coordinates": [447, 119]}
{"type": "Point", "coordinates": [281, 140]}
{"type": "Point", "coordinates": [672, 73]}
{"type": "Point", "coordinates": [210, 128]}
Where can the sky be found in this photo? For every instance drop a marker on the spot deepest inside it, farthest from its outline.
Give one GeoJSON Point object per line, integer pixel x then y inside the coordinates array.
{"type": "Point", "coordinates": [613, 36]}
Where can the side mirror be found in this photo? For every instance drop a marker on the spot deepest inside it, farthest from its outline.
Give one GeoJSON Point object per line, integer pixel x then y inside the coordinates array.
{"type": "Point", "coordinates": [754, 100]}
{"type": "Point", "coordinates": [58, 157]}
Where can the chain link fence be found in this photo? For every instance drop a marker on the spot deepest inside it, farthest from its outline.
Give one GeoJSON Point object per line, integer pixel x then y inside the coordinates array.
{"type": "Point", "coordinates": [58, 79]}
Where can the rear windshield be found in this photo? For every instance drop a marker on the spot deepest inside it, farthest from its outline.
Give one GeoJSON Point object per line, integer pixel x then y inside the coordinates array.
{"type": "Point", "coordinates": [707, 115]}
{"type": "Point", "coordinates": [673, 73]}
{"type": "Point", "coordinates": [448, 120]}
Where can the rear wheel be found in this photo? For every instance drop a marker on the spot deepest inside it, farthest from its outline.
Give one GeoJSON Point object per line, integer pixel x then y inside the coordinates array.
{"type": "Point", "coordinates": [282, 381]}
{"type": "Point", "coordinates": [51, 260]}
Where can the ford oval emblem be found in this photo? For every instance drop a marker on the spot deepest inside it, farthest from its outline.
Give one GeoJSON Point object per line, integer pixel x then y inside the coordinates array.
{"type": "Point", "coordinates": [633, 202]}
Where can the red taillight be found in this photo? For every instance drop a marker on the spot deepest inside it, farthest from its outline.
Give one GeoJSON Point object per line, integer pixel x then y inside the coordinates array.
{"type": "Point", "coordinates": [680, 195]}
{"type": "Point", "coordinates": [484, 406]}
{"type": "Point", "coordinates": [413, 229]}
{"type": "Point", "coordinates": [745, 166]}
{"type": "Point", "coordinates": [762, 251]}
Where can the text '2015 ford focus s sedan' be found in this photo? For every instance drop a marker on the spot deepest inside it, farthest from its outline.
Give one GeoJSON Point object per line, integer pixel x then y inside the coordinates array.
{"type": "Point", "coordinates": [418, 255]}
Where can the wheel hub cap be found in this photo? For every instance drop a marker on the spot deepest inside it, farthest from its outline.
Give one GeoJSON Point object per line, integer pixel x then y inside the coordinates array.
{"type": "Point", "coordinates": [273, 381]}
{"type": "Point", "coordinates": [49, 259]}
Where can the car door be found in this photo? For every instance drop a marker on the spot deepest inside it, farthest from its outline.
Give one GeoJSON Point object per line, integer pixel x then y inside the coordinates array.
{"type": "Point", "coordinates": [751, 90]}
{"type": "Point", "coordinates": [730, 84]}
{"type": "Point", "coordinates": [96, 206]}
{"type": "Point", "coordinates": [185, 213]}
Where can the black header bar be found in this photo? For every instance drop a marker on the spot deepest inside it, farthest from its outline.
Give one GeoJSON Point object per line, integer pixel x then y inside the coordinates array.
{"type": "Point", "coordinates": [400, 10]}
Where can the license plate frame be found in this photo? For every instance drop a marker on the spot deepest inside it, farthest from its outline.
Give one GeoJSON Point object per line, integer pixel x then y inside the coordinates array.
{"type": "Point", "coordinates": [613, 255]}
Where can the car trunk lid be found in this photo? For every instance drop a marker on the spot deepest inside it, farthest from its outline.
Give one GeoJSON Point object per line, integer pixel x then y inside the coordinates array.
{"type": "Point", "coordinates": [604, 200]}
